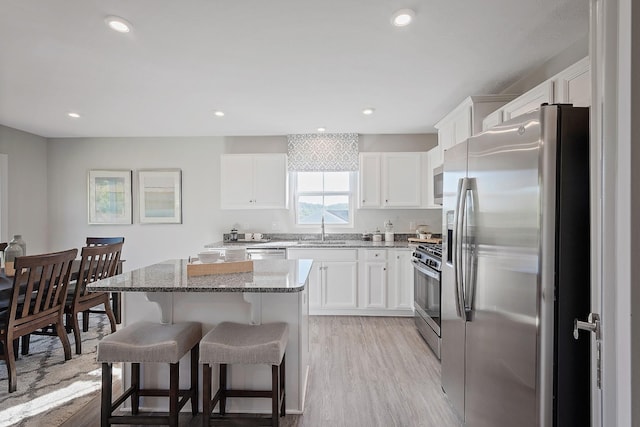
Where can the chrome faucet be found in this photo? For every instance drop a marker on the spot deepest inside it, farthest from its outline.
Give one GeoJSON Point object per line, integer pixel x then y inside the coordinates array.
{"type": "Point", "coordinates": [322, 227]}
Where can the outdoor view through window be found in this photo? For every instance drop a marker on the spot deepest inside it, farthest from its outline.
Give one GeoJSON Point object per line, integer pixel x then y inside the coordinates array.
{"type": "Point", "coordinates": [325, 194]}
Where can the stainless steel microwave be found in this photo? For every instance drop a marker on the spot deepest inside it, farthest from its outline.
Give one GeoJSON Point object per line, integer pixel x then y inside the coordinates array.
{"type": "Point", "coordinates": [437, 185]}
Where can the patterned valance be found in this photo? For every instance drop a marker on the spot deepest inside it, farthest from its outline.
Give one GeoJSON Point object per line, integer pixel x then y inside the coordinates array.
{"type": "Point", "coordinates": [323, 152]}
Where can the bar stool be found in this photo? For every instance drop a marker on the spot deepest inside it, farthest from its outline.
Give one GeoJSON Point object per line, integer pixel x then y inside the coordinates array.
{"type": "Point", "coordinates": [235, 343]}
{"type": "Point", "coordinates": [146, 342]}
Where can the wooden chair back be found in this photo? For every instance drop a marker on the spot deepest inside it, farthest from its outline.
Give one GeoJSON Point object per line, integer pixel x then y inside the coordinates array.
{"type": "Point", "coordinates": [39, 290]}
{"type": "Point", "coordinates": [96, 263]}
{"type": "Point", "coordinates": [97, 241]}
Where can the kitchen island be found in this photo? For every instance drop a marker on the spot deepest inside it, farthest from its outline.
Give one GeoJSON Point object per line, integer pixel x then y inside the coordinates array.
{"type": "Point", "coordinates": [276, 290]}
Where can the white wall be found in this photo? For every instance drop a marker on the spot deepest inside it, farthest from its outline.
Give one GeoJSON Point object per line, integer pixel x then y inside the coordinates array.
{"type": "Point", "coordinates": [203, 220]}
{"type": "Point", "coordinates": [27, 185]}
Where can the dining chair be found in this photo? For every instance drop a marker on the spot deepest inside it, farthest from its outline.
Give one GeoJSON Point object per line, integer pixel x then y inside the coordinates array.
{"type": "Point", "coordinates": [96, 263]}
{"type": "Point", "coordinates": [37, 301]}
{"type": "Point", "coordinates": [97, 241]}
{"type": "Point", "coordinates": [115, 306]}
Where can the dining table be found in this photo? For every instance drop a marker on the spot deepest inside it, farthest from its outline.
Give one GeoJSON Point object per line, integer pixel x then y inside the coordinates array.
{"type": "Point", "coordinates": [6, 287]}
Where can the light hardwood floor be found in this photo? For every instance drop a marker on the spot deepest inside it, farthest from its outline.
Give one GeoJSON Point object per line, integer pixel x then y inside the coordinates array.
{"type": "Point", "coordinates": [365, 371]}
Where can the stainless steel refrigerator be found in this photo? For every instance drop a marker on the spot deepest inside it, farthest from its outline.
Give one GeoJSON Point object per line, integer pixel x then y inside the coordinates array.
{"type": "Point", "coordinates": [516, 272]}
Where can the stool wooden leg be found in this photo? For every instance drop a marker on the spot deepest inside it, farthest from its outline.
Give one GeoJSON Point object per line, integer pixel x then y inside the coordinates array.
{"type": "Point", "coordinates": [135, 383]}
{"type": "Point", "coordinates": [283, 389]}
{"type": "Point", "coordinates": [275, 395]}
{"type": "Point", "coordinates": [105, 405]}
{"type": "Point", "coordinates": [174, 385]}
{"type": "Point", "coordinates": [223, 388]}
{"type": "Point", "coordinates": [194, 379]}
{"type": "Point", "coordinates": [206, 394]}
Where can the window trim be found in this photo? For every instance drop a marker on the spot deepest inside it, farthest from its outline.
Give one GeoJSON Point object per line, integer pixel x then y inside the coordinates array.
{"type": "Point", "coordinates": [351, 194]}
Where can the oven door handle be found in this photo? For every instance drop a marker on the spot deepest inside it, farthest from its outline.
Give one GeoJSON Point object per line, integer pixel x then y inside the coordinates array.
{"type": "Point", "coordinates": [425, 270]}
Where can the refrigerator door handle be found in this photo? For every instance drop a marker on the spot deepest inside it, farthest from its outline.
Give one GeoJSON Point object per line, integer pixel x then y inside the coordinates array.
{"type": "Point", "coordinates": [470, 252]}
{"type": "Point", "coordinates": [458, 235]}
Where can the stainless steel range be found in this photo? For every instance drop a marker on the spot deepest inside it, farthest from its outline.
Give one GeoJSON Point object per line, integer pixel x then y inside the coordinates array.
{"type": "Point", "coordinates": [426, 262]}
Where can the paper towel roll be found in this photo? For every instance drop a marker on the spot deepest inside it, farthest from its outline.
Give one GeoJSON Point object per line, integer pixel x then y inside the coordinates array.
{"type": "Point", "coordinates": [389, 236]}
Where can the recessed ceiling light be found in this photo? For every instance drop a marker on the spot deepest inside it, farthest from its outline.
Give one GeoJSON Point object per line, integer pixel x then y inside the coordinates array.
{"type": "Point", "coordinates": [403, 17]}
{"type": "Point", "coordinates": [322, 129]}
{"type": "Point", "coordinates": [118, 24]}
{"type": "Point", "coordinates": [219, 113]}
{"type": "Point", "coordinates": [368, 111]}
{"type": "Point", "coordinates": [73, 115]}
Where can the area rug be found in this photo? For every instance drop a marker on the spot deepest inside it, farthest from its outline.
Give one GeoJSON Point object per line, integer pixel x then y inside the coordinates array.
{"type": "Point", "coordinates": [50, 390]}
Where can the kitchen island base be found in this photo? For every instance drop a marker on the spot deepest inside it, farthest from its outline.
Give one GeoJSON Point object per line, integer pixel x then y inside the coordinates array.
{"type": "Point", "coordinates": [211, 308]}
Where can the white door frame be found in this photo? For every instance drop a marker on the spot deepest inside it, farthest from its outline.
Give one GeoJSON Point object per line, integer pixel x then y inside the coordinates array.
{"type": "Point", "coordinates": [611, 56]}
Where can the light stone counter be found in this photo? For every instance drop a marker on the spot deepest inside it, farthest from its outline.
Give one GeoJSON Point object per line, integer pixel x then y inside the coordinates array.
{"type": "Point", "coordinates": [271, 276]}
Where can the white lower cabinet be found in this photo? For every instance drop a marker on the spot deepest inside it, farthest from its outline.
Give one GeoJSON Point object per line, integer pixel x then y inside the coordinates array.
{"type": "Point", "coordinates": [401, 282]}
{"type": "Point", "coordinates": [339, 284]}
{"type": "Point", "coordinates": [333, 282]}
{"type": "Point", "coordinates": [373, 283]}
{"type": "Point", "coordinates": [359, 282]}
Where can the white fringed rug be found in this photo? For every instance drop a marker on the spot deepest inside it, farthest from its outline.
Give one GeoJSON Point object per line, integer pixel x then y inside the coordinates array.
{"type": "Point", "coordinates": [50, 390]}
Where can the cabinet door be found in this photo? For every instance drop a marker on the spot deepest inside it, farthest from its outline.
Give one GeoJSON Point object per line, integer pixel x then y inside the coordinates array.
{"type": "Point", "coordinates": [574, 84]}
{"type": "Point", "coordinates": [270, 181]}
{"type": "Point", "coordinates": [236, 181]}
{"type": "Point", "coordinates": [462, 126]}
{"type": "Point", "coordinates": [446, 138]}
{"type": "Point", "coordinates": [369, 180]}
{"type": "Point", "coordinates": [401, 282]}
{"type": "Point", "coordinates": [374, 285]}
{"type": "Point", "coordinates": [529, 101]}
{"type": "Point", "coordinates": [339, 284]}
{"type": "Point", "coordinates": [492, 120]}
{"type": "Point", "coordinates": [402, 179]}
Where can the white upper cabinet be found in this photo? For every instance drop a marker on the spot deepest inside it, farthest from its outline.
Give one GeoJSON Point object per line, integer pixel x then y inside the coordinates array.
{"type": "Point", "coordinates": [573, 85]}
{"type": "Point", "coordinates": [461, 123]}
{"type": "Point", "coordinates": [401, 180]}
{"type": "Point", "coordinates": [253, 181]}
{"type": "Point", "coordinates": [390, 180]}
{"type": "Point", "coordinates": [370, 170]}
{"type": "Point", "coordinates": [570, 86]}
{"type": "Point", "coordinates": [529, 101]}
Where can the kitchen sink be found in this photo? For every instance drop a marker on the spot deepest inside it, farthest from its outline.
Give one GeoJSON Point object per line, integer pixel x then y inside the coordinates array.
{"type": "Point", "coordinates": [321, 242]}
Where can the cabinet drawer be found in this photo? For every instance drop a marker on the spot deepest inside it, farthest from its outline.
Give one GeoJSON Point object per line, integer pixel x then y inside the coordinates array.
{"type": "Point", "coordinates": [319, 255]}
{"type": "Point", "coordinates": [375, 254]}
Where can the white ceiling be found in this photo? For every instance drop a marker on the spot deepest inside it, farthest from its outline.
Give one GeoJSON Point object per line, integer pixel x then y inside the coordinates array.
{"type": "Point", "coordinates": [273, 66]}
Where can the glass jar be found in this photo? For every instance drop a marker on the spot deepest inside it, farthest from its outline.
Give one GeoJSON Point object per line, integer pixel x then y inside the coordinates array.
{"type": "Point", "coordinates": [10, 253]}
{"type": "Point", "coordinates": [17, 238]}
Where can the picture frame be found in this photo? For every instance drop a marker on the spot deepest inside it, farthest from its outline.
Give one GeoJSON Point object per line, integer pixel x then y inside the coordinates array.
{"type": "Point", "coordinates": [160, 196]}
{"type": "Point", "coordinates": [109, 196]}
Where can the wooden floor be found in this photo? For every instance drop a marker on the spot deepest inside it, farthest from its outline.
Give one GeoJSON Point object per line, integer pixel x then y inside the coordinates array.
{"type": "Point", "coordinates": [365, 371]}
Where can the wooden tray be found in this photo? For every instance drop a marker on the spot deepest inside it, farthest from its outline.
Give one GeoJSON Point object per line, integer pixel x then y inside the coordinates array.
{"type": "Point", "coordinates": [198, 269]}
{"type": "Point", "coordinates": [431, 240]}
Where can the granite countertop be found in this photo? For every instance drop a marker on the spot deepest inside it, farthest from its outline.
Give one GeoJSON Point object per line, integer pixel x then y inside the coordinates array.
{"type": "Point", "coordinates": [271, 276]}
{"type": "Point", "coordinates": [315, 244]}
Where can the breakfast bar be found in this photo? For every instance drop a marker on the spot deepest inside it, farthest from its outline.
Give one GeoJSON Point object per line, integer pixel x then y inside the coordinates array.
{"type": "Point", "coordinates": [275, 291]}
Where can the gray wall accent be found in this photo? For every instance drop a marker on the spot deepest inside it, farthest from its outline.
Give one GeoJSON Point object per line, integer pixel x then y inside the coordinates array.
{"type": "Point", "coordinates": [366, 142]}
{"type": "Point", "coordinates": [28, 214]}
{"type": "Point", "coordinates": [203, 220]}
{"type": "Point", "coordinates": [553, 66]}
{"type": "Point", "coordinates": [395, 142]}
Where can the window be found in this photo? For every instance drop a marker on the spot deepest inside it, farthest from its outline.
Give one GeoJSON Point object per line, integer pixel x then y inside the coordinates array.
{"type": "Point", "coordinates": [327, 194]}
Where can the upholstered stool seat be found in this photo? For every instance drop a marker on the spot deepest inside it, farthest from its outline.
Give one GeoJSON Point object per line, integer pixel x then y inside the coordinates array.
{"type": "Point", "coordinates": [146, 342]}
{"type": "Point", "coordinates": [235, 343]}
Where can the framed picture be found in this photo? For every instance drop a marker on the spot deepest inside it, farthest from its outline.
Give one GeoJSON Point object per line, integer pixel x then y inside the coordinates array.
{"type": "Point", "coordinates": [109, 199]}
{"type": "Point", "coordinates": [160, 196]}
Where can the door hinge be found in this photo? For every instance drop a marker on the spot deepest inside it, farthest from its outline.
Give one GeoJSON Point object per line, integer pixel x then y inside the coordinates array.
{"type": "Point", "coordinates": [592, 325]}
